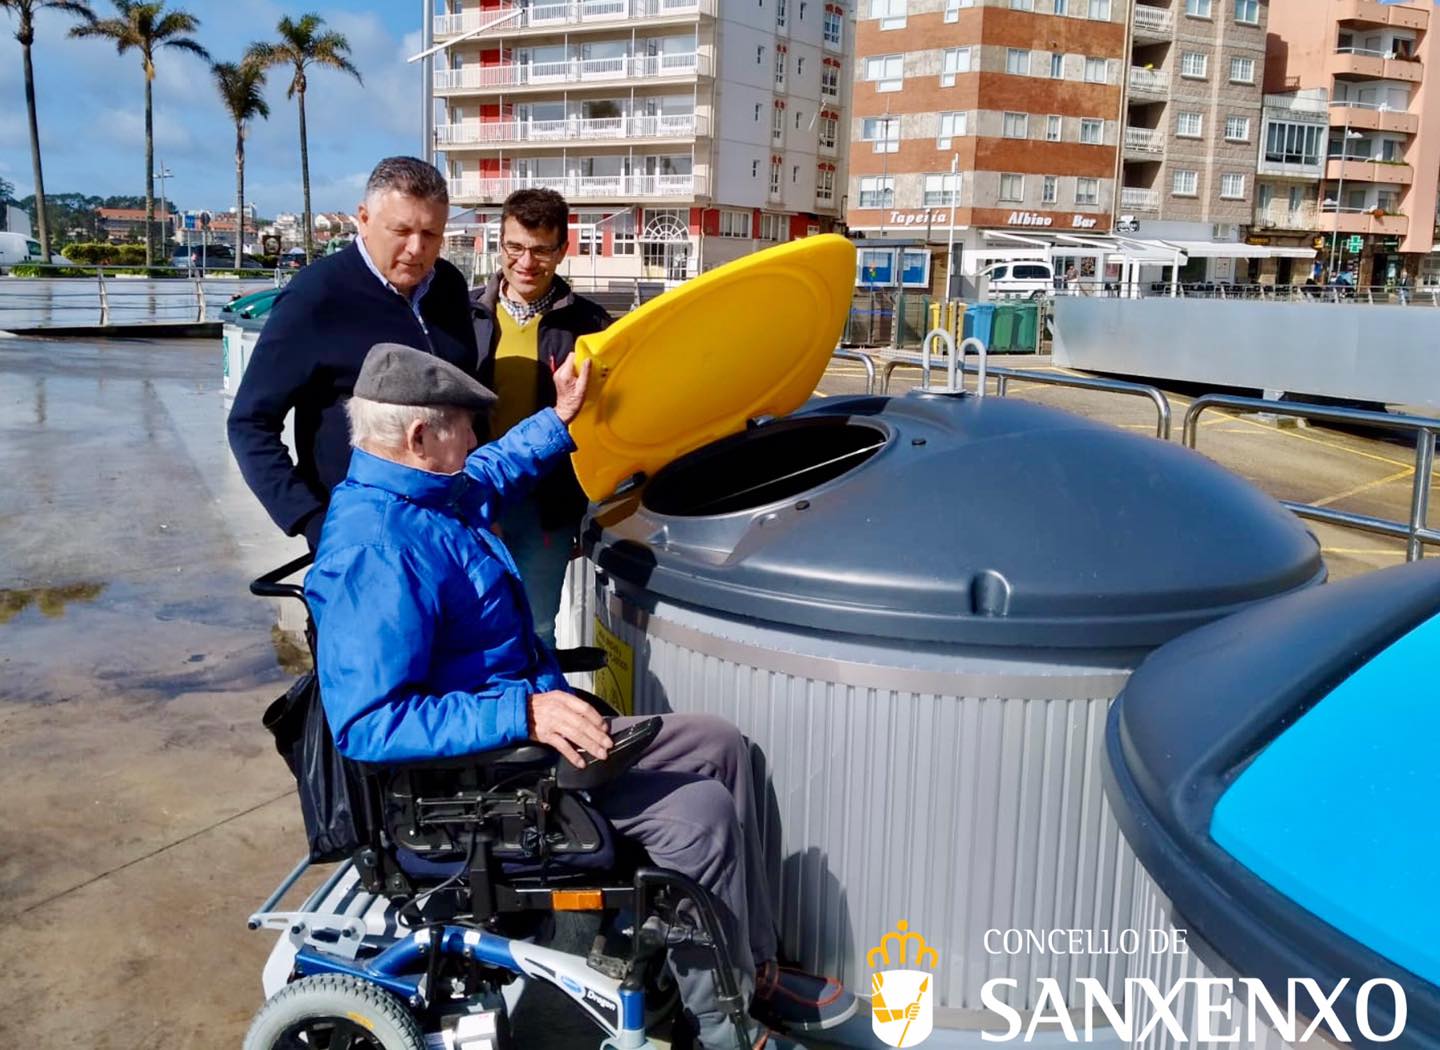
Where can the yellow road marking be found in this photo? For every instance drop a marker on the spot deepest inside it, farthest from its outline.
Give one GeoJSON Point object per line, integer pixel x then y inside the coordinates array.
{"type": "Point", "coordinates": [1364, 551]}
{"type": "Point", "coordinates": [1357, 489]}
{"type": "Point", "coordinates": [1317, 441]}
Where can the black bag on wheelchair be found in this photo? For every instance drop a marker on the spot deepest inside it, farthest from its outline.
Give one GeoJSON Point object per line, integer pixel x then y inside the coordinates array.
{"type": "Point", "coordinates": [332, 799]}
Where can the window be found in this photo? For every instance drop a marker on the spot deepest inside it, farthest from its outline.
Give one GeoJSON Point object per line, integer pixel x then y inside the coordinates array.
{"type": "Point", "coordinates": [1016, 126]}
{"type": "Point", "coordinates": [1087, 191]}
{"type": "Point", "coordinates": [757, 113]}
{"type": "Point", "coordinates": [1012, 187]}
{"type": "Point", "coordinates": [952, 9]}
{"type": "Point", "coordinates": [794, 174]}
{"type": "Point", "coordinates": [1057, 66]}
{"type": "Point", "coordinates": [800, 66]}
{"type": "Point", "coordinates": [1237, 129]}
{"type": "Point", "coordinates": [1232, 186]}
{"type": "Point", "coordinates": [954, 60]}
{"type": "Point", "coordinates": [1097, 70]}
{"type": "Point", "coordinates": [875, 267]}
{"type": "Point", "coordinates": [825, 184]}
{"type": "Point", "coordinates": [1092, 132]}
{"type": "Point", "coordinates": [829, 132]}
{"type": "Point", "coordinates": [1184, 183]}
{"type": "Point", "coordinates": [589, 233]}
{"type": "Point", "coordinates": [890, 12]}
{"type": "Point", "coordinates": [1022, 5]}
{"type": "Point", "coordinates": [1017, 61]}
{"type": "Point", "coordinates": [1296, 195]}
{"type": "Point", "coordinates": [938, 190]}
{"type": "Point", "coordinates": [777, 123]}
{"type": "Point", "coordinates": [1242, 71]}
{"type": "Point", "coordinates": [886, 71]}
{"type": "Point", "coordinates": [1049, 187]}
{"type": "Point", "coordinates": [734, 223]}
{"type": "Point", "coordinates": [830, 81]}
{"type": "Point", "coordinates": [1194, 64]}
{"type": "Point", "coordinates": [1060, 7]}
{"type": "Point", "coordinates": [877, 191]}
{"type": "Point", "coordinates": [1248, 12]}
{"type": "Point", "coordinates": [952, 125]}
{"type": "Point", "coordinates": [775, 173]}
{"type": "Point", "coordinates": [622, 234]}
{"type": "Point", "coordinates": [1197, 8]}
{"type": "Point", "coordinates": [834, 28]}
{"type": "Point", "coordinates": [780, 69]}
{"type": "Point", "coordinates": [1100, 9]}
{"type": "Point", "coordinates": [780, 14]}
{"type": "Point", "coordinates": [883, 131]}
{"type": "Point", "coordinates": [773, 227]}
{"type": "Point", "coordinates": [1053, 128]}
{"type": "Point", "coordinates": [760, 54]}
{"type": "Point", "coordinates": [1189, 125]}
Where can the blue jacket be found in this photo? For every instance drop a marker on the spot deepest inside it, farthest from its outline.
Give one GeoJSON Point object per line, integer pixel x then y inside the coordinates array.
{"type": "Point", "coordinates": [308, 357]}
{"type": "Point", "coordinates": [425, 643]}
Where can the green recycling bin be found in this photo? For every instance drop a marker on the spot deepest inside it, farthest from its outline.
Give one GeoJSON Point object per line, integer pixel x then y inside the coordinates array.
{"type": "Point", "coordinates": [1027, 322]}
{"type": "Point", "coordinates": [1002, 339]}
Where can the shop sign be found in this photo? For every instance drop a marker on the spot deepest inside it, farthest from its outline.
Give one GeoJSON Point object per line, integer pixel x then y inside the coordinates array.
{"type": "Point", "coordinates": [1030, 218]}
{"type": "Point", "coordinates": [919, 218]}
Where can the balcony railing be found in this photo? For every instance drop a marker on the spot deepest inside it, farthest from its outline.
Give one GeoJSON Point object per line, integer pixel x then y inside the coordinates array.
{"type": "Point", "coordinates": [583, 12]}
{"type": "Point", "coordinates": [1149, 81]}
{"type": "Point", "coordinates": [1361, 220]}
{"type": "Point", "coordinates": [573, 71]}
{"type": "Point", "coordinates": [1153, 21]}
{"type": "Point", "coordinates": [664, 126]}
{"type": "Point", "coordinates": [1280, 216]}
{"type": "Point", "coordinates": [609, 187]}
{"type": "Point", "coordinates": [1139, 199]}
{"type": "Point", "coordinates": [1367, 169]}
{"type": "Point", "coordinates": [1144, 140]}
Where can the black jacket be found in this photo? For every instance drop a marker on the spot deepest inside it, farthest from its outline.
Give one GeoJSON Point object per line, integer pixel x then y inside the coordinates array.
{"type": "Point", "coordinates": [308, 358]}
{"type": "Point", "coordinates": [558, 497]}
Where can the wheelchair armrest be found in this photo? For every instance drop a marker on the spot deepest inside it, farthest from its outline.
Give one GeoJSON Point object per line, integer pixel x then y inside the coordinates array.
{"type": "Point", "coordinates": [580, 659]}
{"type": "Point", "coordinates": [525, 753]}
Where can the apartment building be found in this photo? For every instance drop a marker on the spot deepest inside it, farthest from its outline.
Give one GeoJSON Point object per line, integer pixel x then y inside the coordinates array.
{"type": "Point", "coordinates": [684, 133]}
{"type": "Point", "coordinates": [973, 119]}
{"type": "Point", "coordinates": [1289, 169]}
{"type": "Point", "coordinates": [1192, 117]}
{"type": "Point", "coordinates": [1382, 141]}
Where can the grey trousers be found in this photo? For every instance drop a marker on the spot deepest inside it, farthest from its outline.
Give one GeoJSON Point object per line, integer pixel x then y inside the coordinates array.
{"type": "Point", "coordinates": [690, 801]}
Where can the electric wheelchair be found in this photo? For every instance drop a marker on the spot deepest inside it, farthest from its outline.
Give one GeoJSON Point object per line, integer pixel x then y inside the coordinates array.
{"type": "Point", "coordinates": [426, 934]}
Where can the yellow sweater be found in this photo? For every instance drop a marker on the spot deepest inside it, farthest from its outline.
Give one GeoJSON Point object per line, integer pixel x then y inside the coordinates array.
{"type": "Point", "coordinates": [517, 372]}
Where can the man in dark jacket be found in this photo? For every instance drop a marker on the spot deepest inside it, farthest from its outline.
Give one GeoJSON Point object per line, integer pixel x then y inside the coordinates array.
{"type": "Point", "coordinates": [389, 286]}
{"type": "Point", "coordinates": [526, 322]}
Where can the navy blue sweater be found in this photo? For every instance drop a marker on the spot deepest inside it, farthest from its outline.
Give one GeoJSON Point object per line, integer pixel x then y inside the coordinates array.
{"type": "Point", "coordinates": [308, 358]}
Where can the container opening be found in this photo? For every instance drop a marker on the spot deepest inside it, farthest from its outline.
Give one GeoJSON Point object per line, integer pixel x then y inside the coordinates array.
{"type": "Point", "coordinates": [761, 466]}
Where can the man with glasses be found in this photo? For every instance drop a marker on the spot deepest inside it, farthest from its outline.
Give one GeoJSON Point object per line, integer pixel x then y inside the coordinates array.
{"type": "Point", "coordinates": [526, 322]}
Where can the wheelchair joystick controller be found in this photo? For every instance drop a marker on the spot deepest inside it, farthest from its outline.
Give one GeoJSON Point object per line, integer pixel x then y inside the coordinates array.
{"type": "Point", "coordinates": [626, 748]}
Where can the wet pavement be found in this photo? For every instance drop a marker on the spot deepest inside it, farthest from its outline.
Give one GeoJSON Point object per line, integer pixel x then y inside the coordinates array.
{"type": "Point", "coordinates": [145, 815]}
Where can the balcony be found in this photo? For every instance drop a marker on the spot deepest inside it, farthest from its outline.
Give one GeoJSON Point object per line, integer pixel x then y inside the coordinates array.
{"type": "Point", "coordinates": [511, 133]}
{"type": "Point", "coordinates": [1362, 170]}
{"type": "Point", "coordinates": [1151, 83]}
{"type": "Point", "coordinates": [827, 148]}
{"type": "Point", "coordinates": [1142, 200]}
{"type": "Point", "coordinates": [583, 13]}
{"type": "Point", "coordinates": [1147, 143]}
{"type": "Point", "coordinates": [1369, 12]}
{"type": "Point", "coordinates": [543, 75]}
{"type": "Point", "coordinates": [1280, 216]}
{"type": "Point", "coordinates": [1372, 116]}
{"type": "Point", "coordinates": [1153, 23]}
{"type": "Point", "coordinates": [473, 189]}
{"type": "Point", "coordinates": [1373, 65]}
{"type": "Point", "coordinates": [1359, 220]}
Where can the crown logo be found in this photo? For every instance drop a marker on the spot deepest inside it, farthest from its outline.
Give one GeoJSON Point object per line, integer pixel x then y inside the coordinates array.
{"type": "Point", "coordinates": [900, 940]}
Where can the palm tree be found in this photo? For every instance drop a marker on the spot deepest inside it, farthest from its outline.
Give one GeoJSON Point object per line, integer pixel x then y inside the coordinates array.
{"type": "Point", "coordinates": [146, 27]}
{"type": "Point", "coordinates": [240, 91]}
{"type": "Point", "coordinates": [303, 44]}
{"type": "Point", "coordinates": [25, 33]}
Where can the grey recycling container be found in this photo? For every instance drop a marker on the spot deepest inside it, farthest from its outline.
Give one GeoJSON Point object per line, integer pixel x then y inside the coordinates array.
{"type": "Point", "coordinates": [1276, 774]}
{"type": "Point", "coordinates": [920, 609]}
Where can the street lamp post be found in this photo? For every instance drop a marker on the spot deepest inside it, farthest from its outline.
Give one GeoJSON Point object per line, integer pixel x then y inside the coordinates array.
{"type": "Point", "coordinates": [163, 174]}
{"type": "Point", "coordinates": [952, 286]}
{"type": "Point", "coordinates": [1340, 192]}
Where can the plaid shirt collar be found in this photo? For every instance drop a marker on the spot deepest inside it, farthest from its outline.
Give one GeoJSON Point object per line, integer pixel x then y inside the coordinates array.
{"type": "Point", "coordinates": [523, 312]}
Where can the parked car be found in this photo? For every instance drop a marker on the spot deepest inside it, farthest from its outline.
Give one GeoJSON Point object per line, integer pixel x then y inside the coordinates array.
{"type": "Point", "coordinates": [292, 259]}
{"type": "Point", "coordinates": [1026, 278]}
{"type": "Point", "coordinates": [204, 257]}
{"type": "Point", "coordinates": [16, 248]}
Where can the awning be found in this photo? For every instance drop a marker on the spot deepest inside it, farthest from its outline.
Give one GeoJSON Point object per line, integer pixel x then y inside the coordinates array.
{"type": "Point", "coordinates": [1233, 250]}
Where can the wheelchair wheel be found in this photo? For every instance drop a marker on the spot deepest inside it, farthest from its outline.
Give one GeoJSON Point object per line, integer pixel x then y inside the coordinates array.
{"type": "Point", "coordinates": [332, 1011]}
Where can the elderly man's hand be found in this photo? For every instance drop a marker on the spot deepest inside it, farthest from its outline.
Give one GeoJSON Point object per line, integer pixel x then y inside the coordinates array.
{"type": "Point", "coordinates": [570, 387]}
{"type": "Point", "coordinates": [566, 722]}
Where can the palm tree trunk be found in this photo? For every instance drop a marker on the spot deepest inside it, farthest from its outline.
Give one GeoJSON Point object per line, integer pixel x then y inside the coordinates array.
{"type": "Point", "coordinates": [149, 178]}
{"type": "Point", "coordinates": [239, 195]}
{"type": "Point", "coordinates": [40, 220]}
{"type": "Point", "coordinates": [305, 181]}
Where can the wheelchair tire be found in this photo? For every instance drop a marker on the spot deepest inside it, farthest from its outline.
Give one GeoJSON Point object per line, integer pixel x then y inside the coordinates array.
{"type": "Point", "coordinates": [329, 1005]}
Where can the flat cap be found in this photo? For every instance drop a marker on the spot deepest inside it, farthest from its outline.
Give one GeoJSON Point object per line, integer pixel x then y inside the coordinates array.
{"type": "Point", "coordinates": [401, 375]}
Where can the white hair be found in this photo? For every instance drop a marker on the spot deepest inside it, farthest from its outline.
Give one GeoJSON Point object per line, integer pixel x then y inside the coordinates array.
{"type": "Point", "coordinates": [376, 424]}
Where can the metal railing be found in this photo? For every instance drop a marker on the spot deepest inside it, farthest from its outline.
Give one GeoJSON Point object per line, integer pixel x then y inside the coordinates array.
{"type": "Point", "coordinates": [1415, 532]}
{"type": "Point", "coordinates": [654, 126]}
{"type": "Point", "coordinates": [547, 15]}
{"type": "Point", "coordinates": [1144, 140]}
{"type": "Point", "coordinates": [1149, 81]}
{"type": "Point", "coordinates": [604, 186]}
{"type": "Point", "coordinates": [573, 71]}
{"type": "Point", "coordinates": [1139, 199]}
{"type": "Point", "coordinates": [1153, 19]}
{"type": "Point", "coordinates": [864, 359]}
{"type": "Point", "coordinates": [119, 298]}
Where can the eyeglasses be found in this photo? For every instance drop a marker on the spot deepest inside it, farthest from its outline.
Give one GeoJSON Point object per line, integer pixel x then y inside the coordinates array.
{"type": "Point", "coordinates": [538, 252]}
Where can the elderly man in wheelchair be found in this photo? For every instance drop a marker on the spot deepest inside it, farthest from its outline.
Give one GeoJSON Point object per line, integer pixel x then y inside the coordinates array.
{"type": "Point", "coordinates": [494, 794]}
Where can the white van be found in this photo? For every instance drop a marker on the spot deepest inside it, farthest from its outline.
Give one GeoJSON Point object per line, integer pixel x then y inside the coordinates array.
{"type": "Point", "coordinates": [16, 248]}
{"type": "Point", "coordinates": [1020, 279]}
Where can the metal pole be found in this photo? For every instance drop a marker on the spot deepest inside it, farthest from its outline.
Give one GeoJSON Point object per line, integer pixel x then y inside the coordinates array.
{"type": "Point", "coordinates": [1420, 494]}
{"type": "Point", "coordinates": [427, 74]}
{"type": "Point", "coordinates": [1339, 195]}
{"type": "Point", "coordinates": [952, 287]}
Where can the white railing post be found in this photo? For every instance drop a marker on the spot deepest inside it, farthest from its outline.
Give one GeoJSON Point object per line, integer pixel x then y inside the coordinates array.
{"type": "Point", "coordinates": [104, 296]}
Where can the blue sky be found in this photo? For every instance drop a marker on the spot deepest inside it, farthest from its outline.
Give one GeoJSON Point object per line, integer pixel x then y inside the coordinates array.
{"type": "Point", "coordinates": [92, 111]}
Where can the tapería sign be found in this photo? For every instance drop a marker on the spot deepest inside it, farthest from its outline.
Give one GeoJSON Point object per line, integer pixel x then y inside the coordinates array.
{"type": "Point", "coordinates": [1030, 218]}
{"type": "Point", "coordinates": [919, 218]}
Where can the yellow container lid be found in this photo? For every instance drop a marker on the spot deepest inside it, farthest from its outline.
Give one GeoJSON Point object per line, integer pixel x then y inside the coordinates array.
{"type": "Point", "coordinates": [748, 339]}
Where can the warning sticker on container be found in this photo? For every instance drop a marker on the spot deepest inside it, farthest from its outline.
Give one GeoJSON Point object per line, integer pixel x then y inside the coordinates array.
{"type": "Point", "coordinates": [615, 682]}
